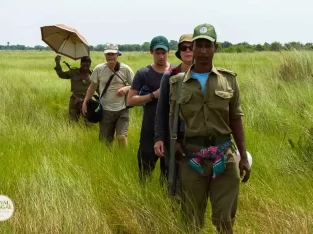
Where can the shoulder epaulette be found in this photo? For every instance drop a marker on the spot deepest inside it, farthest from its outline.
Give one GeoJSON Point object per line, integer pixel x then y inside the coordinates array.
{"type": "Point", "coordinates": [176, 76]}
{"type": "Point", "coordinates": [220, 69]}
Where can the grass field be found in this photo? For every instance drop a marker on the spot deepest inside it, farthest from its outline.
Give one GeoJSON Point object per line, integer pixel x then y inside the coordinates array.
{"type": "Point", "coordinates": [62, 180]}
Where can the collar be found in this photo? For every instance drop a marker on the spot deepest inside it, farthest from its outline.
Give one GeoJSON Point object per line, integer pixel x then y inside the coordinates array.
{"type": "Point", "coordinates": [188, 73]}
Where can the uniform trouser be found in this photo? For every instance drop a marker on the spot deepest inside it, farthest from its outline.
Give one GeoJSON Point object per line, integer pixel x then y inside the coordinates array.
{"type": "Point", "coordinates": [111, 122]}
{"type": "Point", "coordinates": [146, 164]}
{"type": "Point", "coordinates": [222, 191]}
{"type": "Point", "coordinates": [75, 110]}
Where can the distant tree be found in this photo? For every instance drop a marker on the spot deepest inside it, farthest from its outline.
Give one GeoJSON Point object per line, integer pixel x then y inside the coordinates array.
{"type": "Point", "coordinates": [276, 46]}
{"type": "Point", "coordinates": [267, 46]}
{"type": "Point", "coordinates": [39, 47]}
{"type": "Point", "coordinates": [246, 44]}
{"type": "Point", "coordinates": [294, 45]}
{"type": "Point", "coordinates": [226, 44]}
{"type": "Point", "coordinates": [145, 46]}
{"type": "Point", "coordinates": [259, 47]}
{"type": "Point", "coordinates": [99, 47]}
{"type": "Point", "coordinates": [173, 45]}
{"type": "Point", "coordinates": [308, 46]}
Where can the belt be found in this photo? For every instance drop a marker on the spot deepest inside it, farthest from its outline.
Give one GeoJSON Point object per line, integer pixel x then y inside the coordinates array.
{"type": "Point", "coordinates": [206, 141]}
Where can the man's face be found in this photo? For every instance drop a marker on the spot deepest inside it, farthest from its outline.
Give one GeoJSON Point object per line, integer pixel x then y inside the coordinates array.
{"type": "Point", "coordinates": [85, 67]}
{"type": "Point", "coordinates": [159, 56]}
{"type": "Point", "coordinates": [203, 51]}
{"type": "Point", "coordinates": [111, 58]}
{"type": "Point", "coordinates": [186, 52]}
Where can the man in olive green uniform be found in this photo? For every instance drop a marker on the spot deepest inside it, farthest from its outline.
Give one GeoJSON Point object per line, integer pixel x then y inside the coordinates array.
{"type": "Point", "coordinates": [209, 104]}
{"type": "Point", "coordinates": [80, 81]}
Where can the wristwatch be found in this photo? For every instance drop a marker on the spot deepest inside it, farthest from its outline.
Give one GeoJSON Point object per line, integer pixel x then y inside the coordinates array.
{"type": "Point", "coordinates": [152, 96]}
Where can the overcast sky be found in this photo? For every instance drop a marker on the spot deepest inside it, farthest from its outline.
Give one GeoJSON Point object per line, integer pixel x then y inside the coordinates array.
{"type": "Point", "coordinates": [137, 21]}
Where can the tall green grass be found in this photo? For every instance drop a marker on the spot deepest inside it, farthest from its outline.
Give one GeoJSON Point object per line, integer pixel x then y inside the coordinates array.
{"type": "Point", "coordinates": [63, 180]}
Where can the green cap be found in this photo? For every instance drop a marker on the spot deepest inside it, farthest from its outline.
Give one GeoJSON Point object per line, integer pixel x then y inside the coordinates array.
{"type": "Point", "coordinates": [159, 42]}
{"type": "Point", "coordinates": [204, 31]}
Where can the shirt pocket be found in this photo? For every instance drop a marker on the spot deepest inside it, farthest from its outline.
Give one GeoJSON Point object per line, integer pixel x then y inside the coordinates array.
{"type": "Point", "coordinates": [189, 105]}
{"type": "Point", "coordinates": [221, 100]}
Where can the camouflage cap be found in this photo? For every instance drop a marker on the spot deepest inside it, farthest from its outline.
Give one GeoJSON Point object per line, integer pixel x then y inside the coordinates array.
{"type": "Point", "coordinates": [111, 48]}
{"type": "Point", "coordinates": [204, 31]}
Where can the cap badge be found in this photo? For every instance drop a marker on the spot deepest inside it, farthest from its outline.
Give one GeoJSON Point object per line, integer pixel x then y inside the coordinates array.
{"type": "Point", "coordinates": [203, 30]}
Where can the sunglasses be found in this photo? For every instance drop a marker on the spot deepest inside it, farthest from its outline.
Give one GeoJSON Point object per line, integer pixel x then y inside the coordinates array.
{"type": "Point", "coordinates": [184, 48]}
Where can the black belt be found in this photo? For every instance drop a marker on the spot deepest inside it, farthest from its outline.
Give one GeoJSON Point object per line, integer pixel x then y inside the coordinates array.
{"type": "Point", "coordinates": [206, 141]}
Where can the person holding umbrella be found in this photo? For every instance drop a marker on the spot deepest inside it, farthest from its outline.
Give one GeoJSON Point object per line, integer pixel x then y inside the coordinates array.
{"type": "Point", "coordinates": [80, 81]}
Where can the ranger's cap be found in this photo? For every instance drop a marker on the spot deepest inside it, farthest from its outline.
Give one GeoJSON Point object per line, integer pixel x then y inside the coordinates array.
{"type": "Point", "coordinates": [204, 31]}
{"type": "Point", "coordinates": [159, 42]}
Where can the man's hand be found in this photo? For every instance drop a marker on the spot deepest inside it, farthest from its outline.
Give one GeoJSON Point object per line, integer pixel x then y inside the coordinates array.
{"type": "Point", "coordinates": [157, 93]}
{"type": "Point", "coordinates": [84, 108]}
{"type": "Point", "coordinates": [121, 92]}
{"type": "Point", "coordinates": [244, 167]}
{"type": "Point", "coordinates": [159, 148]}
{"type": "Point", "coordinates": [57, 59]}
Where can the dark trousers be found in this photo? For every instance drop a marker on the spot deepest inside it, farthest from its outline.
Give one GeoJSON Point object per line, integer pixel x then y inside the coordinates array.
{"type": "Point", "coordinates": [146, 164]}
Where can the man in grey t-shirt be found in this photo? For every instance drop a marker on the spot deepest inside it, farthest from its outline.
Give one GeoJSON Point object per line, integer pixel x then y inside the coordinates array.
{"type": "Point", "coordinates": [149, 78]}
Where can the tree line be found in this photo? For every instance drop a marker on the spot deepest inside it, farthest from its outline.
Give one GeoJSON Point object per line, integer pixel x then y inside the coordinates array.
{"type": "Point", "coordinates": [226, 47]}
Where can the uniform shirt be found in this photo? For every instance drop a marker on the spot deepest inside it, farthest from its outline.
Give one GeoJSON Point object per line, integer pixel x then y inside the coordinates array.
{"type": "Point", "coordinates": [79, 86]}
{"type": "Point", "coordinates": [207, 114]}
{"type": "Point", "coordinates": [101, 74]}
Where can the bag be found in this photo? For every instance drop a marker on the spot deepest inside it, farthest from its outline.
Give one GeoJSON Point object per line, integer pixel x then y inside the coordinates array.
{"type": "Point", "coordinates": [94, 107]}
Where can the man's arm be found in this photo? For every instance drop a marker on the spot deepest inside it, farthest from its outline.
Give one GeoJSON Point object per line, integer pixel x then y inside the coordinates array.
{"type": "Point", "coordinates": [90, 92]}
{"type": "Point", "coordinates": [134, 99]}
{"type": "Point", "coordinates": [238, 131]}
{"type": "Point", "coordinates": [129, 79]}
{"type": "Point", "coordinates": [58, 69]}
{"type": "Point", "coordinates": [162, 111]}
{"type": "Point", "coordinates": [91, 89]}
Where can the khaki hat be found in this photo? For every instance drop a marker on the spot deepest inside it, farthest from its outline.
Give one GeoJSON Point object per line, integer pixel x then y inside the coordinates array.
{"type": "Point", "coordinates": [204, 31]}
{"type": "Point", "coordinates": [111, 48]}
{"type": "Point", "coordinates": [183, 38]}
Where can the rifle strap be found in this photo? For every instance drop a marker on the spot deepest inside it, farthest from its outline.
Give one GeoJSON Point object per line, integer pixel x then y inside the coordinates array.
{"type": "Point", "coordinates": [173, 140]}
{"type": "Point", "coordinates": [176, 113]}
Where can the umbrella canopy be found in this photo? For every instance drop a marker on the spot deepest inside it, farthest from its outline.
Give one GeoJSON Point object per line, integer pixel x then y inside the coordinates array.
{"type": "Point", "coordinates": [65, 40]}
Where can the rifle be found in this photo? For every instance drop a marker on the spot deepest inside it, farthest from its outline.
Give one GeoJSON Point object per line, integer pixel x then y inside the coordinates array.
{"type": "Point", "coordinates": [173, 169]}
{"type": "Point", "coordinates": [69, 67]}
